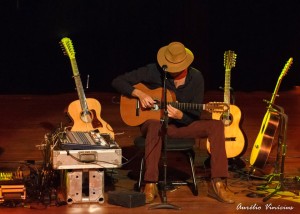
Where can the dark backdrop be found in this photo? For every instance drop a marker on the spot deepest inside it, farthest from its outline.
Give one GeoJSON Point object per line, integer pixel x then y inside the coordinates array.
{"type": "Point", "coordinates": [111, 37]}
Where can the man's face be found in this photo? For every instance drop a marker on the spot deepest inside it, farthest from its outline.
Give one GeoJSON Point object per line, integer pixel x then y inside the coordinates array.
{"type": "Point", "coordinates": [174, 75]}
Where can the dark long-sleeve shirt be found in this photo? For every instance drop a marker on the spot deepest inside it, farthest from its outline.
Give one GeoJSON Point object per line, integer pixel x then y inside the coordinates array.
{"type": "Point", "coordinates": [151, 75]}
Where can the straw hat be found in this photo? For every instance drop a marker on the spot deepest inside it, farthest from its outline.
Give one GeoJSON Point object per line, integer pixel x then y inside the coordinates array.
{"type": "Point", "coordinates": [175, 56]}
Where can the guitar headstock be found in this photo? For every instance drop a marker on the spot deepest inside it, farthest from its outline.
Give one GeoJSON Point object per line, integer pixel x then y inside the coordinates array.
{"type": "Point", "coordinates": [67, 47]}
{"type": "Point", "coordinates": [216, 107]}
{"type": "Point", "coordinates": [229, 59]}
{"type": "Point", "coordinates": [286, 67]}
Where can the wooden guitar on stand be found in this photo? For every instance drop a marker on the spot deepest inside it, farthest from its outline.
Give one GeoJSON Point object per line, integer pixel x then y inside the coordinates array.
{"type": "Point", "coordinates": [84, 112]}
{"type": "Point", "coordinates": [234, 138]}
{"type": "Point", "coordinates": [264, 140]}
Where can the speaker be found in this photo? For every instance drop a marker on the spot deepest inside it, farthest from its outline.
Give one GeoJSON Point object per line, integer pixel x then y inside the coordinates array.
{"type": "Point", "coordinates": [126, 198]}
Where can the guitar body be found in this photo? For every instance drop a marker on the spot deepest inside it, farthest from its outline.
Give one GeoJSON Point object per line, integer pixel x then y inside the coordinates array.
{"type": "Point", "coordinates": [132, 112]}
{"type": "Point", "coordinates": [264, 140]}
{"type": "Point", "coordinates": [234, 137]}
{"type": "Point", "coordinates": [88, 122]}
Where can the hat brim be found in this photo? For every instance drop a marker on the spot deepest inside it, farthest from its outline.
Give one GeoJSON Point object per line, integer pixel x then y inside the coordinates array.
{"type": "Point", "coordinates": [174, 68]}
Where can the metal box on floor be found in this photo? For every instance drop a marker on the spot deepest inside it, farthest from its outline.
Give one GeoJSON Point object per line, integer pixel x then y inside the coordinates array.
{"type": "Point", "coordinates": [84, 186]}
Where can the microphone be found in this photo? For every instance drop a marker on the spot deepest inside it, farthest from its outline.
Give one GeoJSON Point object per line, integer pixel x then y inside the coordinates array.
{"type": "Point", "coordinates": [164, 67]}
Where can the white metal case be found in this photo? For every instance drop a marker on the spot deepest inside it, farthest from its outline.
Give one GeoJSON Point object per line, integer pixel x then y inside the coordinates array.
{"type": "Point", "coordinates": [87, 159]}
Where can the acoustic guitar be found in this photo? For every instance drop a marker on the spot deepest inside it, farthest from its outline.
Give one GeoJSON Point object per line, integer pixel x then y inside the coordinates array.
{"type": "Point", "coordinates": [85, 112]}
{"type": "Point", "coordinates": [235, 142]}
{"type": "Point", "coordinates": [264, 140]}
{"type": "Point", "coordinates": [133, 114]}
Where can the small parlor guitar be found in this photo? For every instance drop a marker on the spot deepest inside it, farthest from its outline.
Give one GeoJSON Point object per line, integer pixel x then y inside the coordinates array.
{"type": "Point", "coordinates": [235, 142]}
{"type": "Point", "coordinates": [84, 112]}
{"type": "Point", "coordinates": [264, 140]}
{"type": "Point", "coordinates": [133, 114]}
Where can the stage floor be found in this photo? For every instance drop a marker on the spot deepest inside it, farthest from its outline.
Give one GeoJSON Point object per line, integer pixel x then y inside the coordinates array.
{"type": "Point", "coordinates": [27, 119]}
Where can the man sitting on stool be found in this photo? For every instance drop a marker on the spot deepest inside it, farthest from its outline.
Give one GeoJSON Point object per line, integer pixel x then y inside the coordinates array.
{"type": "Point", "coordinates": [188, 85]}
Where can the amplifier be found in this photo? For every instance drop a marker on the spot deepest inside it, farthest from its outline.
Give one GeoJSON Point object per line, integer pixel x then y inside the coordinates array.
{"type": "Point", "coordinates": [87, 159]}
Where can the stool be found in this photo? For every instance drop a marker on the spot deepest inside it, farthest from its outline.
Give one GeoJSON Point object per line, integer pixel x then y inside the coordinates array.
{"type": "Point", "coordinates": [174, 145]}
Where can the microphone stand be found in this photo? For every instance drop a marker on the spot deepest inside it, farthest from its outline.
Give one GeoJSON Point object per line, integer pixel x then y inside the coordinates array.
{"type": "Point", "coordinates": [164, 129]}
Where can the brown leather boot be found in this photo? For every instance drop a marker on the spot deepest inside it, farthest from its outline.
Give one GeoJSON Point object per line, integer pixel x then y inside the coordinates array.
{"type": "Point", "coordinates": [150, 192]}
{"type": "Point", "coordinates": [218, 190]}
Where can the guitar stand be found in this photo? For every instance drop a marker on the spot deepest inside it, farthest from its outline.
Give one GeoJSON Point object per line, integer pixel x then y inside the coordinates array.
{"type": "Point", "coordinates": [281, 153]}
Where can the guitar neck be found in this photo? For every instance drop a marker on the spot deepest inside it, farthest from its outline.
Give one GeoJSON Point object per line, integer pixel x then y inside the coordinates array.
{"type": "Point", "coordinates": [187, 106]}
{"type": "Point", "coordinates": [274, 95]}
{"type": "Point", "coordinates": [79, 86]}
{"type": "Point", "coordinates": [282, 74]}
{"type": "Point", "coordinates": [227, 87]}
{"type": "Point", "coordinates": [229, 62]}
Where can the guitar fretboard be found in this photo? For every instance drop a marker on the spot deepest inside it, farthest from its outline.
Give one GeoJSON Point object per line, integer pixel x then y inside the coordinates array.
{"type": "Point", "coordinates": [79, 86]}
{"type": "Point", "coordinates": [185, 106]}
{"type": "Point", "coordinates": [227, 86]}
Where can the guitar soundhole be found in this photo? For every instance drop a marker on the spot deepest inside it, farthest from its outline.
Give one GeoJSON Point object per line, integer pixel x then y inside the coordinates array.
{"type": "Point", "coordinates": [86, 116]}
{"type": "Point", "coordinates": [156, 106]}
{"type": "Point", "coordinates": [227, 119]}
{"type": "Point", "coordinates": [91, 117]}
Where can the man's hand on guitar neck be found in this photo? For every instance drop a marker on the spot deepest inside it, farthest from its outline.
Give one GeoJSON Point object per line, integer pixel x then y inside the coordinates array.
{"type": "Point", "coordinates": [174, 112]}
{"type": "Point", "coordinates": [145, 100]}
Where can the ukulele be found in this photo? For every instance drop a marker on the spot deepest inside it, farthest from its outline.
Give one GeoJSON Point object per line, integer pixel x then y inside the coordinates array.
{"type": "Point", "coordinates": [85, 112]}
{"type": "Point", "coordinates": [133, 114]}
{"type": "Point", "coordinates": [264, 140]}
{"type": "Point", "coordinates": [234, 138]}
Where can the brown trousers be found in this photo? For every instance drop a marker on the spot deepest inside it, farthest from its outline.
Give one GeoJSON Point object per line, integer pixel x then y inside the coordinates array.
{"type": "Point", "coordinates": [212, 129]}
